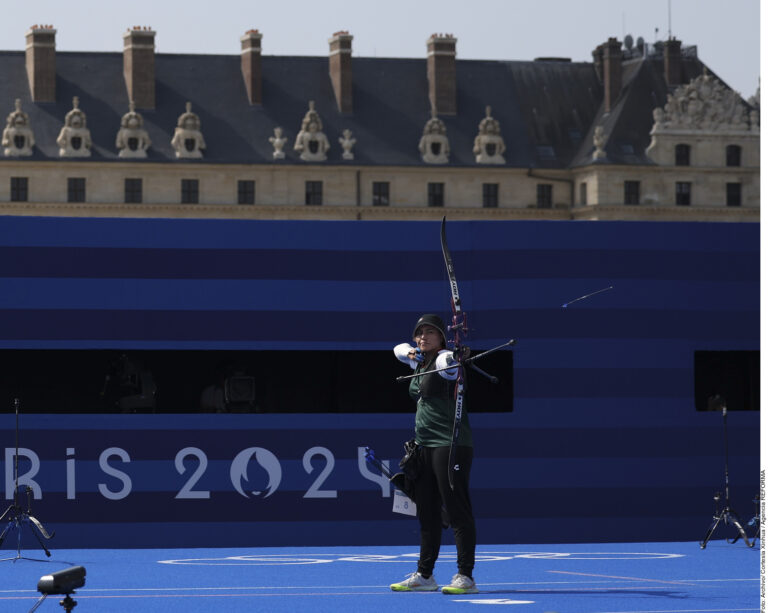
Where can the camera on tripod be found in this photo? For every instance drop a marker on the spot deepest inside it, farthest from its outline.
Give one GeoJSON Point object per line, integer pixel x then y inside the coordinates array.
{"type": "Point", "coordinates": [63, 582]}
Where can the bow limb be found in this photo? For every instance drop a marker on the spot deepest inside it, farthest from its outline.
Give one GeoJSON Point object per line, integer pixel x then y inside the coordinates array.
{"type": "Point", "coordinates": [459, 328]}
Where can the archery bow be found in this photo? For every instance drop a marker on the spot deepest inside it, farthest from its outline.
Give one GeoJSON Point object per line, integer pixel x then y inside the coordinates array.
{"type": "Point", "coordinates": [459, 328]}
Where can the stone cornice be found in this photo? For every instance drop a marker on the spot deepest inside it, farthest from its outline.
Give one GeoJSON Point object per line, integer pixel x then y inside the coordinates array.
{"type": "Point", "coordinates": [392, 213]}
{"type": "Point", "coordinates": [643, 212]}
{"type": "Point", "coordinates": [222, 211]}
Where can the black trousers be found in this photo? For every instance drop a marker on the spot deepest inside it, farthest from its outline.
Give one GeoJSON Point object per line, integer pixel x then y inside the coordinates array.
{"type": "Point", "coordinates": [432, 492]}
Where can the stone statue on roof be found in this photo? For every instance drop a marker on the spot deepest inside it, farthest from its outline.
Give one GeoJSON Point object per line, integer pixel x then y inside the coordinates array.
{"type": "Point", "coordinates": [704, 104]}
{"type": "Point", "coordinates": [311, 142]}
{"type": "Point", "coordinates": [599, 140]}
{"type": "Point", "coordinates": [434, 146]}
{"type": "Point", "coordinates": [18, 138]}
{"type": "Point", "coordinates": [347, 142]}
{"type": "Point", "coordinates": [75, 138]}
{"type": "Point", "coordinates": [489, 146]}
{"type": "Point", "coordinates": [188, 141]}
{"type": "Point", "coordinates": [278, 142]}
{"type": "Point", "coordinates": [132, 140]}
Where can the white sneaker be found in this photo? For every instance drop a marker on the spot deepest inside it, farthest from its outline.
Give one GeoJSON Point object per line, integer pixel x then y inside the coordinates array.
{"type": "Point", "coordinates": [461, 584]}
{"type": "Point", "coordinates": [415, 583]}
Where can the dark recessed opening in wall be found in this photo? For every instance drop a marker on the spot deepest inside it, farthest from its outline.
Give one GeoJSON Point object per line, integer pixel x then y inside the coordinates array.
{"type": "Point", "coordinates": [733, 376]}
{"type": "Point", "coordinates": [191, 381]}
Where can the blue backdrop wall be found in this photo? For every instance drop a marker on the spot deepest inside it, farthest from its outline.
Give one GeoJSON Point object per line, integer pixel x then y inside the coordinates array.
{"type": "Point", "coordinates": [604, 442]}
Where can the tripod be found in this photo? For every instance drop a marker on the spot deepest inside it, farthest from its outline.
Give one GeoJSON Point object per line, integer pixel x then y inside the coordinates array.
{"type": "Point", "coordinates": [15, 515]}
{"type": "Point", "coordinates": [726, 514]}
{"type": "Point", "coordinates": [65, 602]}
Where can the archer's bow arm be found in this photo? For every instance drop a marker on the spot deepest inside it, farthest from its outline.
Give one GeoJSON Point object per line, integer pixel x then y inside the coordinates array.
{"type": "Point", "coordinates": [444, 360]}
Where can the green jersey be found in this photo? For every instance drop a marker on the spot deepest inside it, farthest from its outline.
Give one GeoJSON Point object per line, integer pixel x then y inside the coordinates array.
{"type": "Point", "coordinates": [435, 408]}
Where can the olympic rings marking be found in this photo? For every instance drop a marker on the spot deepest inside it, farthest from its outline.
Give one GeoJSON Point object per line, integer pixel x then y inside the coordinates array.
{"type": "Point", "coordinates": [277, 559]}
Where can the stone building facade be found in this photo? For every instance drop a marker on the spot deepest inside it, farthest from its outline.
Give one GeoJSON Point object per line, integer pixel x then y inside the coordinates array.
{"type": "Point", "coordinates": [640, 133]}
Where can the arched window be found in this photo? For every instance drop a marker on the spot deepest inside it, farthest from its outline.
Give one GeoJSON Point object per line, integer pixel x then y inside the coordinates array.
{"type": "Point", "coordinates": [682, 155]}
{"type": "Point", "coordinates": [733, 155]}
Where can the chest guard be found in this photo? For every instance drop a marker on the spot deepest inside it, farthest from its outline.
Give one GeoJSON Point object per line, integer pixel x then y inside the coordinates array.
{"type": "Point", "coordinates": [433, 385]}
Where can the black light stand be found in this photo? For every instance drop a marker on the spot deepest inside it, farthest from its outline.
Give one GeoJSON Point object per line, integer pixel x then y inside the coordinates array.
{"type": "Point", "coordinates": [726, 514]}
{"type": "Point", "coordinates": [15, 515]}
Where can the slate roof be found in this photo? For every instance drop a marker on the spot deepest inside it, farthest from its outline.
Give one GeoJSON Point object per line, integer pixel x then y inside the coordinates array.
{"type": "Point", "coordinates": [547, 109]}
{"type": "Point", "coordinates": [629, 123]}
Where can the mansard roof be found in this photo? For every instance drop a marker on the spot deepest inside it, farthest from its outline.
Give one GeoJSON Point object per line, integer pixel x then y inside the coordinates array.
{"type": "Point", "coordinates": [627, 127]}
{"type": "Point", "coordinates": [547, 110]}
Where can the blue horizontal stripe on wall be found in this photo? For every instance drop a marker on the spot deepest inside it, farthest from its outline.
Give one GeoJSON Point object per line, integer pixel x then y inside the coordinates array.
{"type": "Point", "coordinates": [617, 503]}
{"type": "Point", "coordinates": [516, 472]}
{"type": "Point", "coordinates": [522, 442]}
{"type": "Point", "coordinates": [376, 235]}
{"type": "Point", "coordinates": [116, 325]}
{"type": "Point", "coordinates": [401, 531]}
{"type": "Point", "coordinates": [397, 265]}
{"type": "Point", "coordinates": [286, 295]}
{"type": "Point", "coordinates": [603, 414]}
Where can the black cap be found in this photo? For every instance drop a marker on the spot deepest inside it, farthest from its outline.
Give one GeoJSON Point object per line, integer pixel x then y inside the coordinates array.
{"type": "Point", "coordinates": [431, 320]}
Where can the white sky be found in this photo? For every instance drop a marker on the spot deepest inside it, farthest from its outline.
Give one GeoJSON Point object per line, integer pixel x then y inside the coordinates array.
{"type": "Point", "coordinates": [726, 32]}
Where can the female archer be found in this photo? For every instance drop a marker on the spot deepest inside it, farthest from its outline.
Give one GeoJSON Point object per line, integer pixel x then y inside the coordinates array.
{"type": "Point", "coordinates": [435, 408]}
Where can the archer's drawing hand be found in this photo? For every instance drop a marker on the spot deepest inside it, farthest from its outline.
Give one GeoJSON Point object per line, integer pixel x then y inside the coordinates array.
{"type": "Point", "coordinates": [416, 355]}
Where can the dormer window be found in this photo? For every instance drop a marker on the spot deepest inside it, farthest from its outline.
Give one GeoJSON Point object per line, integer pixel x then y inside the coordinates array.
{"type": "Point", "coordinates": [311, 142]}
{"type": "Point", "coordinates": [18, 138]}
{"type": "Point", "coordinates": [132, 140]}
{"type": "Point", "coordinates": [682, 155]}
{"type": "Point", "coordinates": [434, 146]}
{"type": "Point", "coordinates": [489, 145]}
{"type": "Point", "coordinates": [75, 138]}
{"type": "Point", "coordinates": [188, 141]}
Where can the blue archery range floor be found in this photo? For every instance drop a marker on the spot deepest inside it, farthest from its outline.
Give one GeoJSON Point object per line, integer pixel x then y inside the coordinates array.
{"type": "Point", "coordinates": [579, 578]}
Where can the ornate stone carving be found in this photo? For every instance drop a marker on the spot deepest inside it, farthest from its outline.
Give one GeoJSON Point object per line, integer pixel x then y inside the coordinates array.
{"type": "Point", "coordinates": [278, 142]}
{"type": "Point", "coordinates": [18, 138]}
{"type": "Point", "coordinates": [489, 145]}
{"type": "Point", "coordinates": [188, 141]}
{"type": "Point", "coordinates": [704, 104]}
{"type": "Point", "coordinates": [311, 143]}
{"type": "Point", "coordinates": [75, 138]}
{"type": "Point", "coordinates": [599, 139]}
{"type": "Point", "coordinates": [434, 145]}
{"type": "Point", "coordinates": [132, 140]}
{"type": "Point", "coordinates": [347, 141]}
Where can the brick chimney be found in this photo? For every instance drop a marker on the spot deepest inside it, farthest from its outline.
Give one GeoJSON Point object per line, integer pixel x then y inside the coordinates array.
{"type": "Point", "coordinates": [672, 62]}
{"type": "Point", "coordinates": [340, 69]}
{"type": "Point", "coordinates": [441, 73]}
{"type": "Point", "coordinates": [41, 63]}
{"type": "Point", "coordinates": [611, 73]}
{"type": "Point", "coordinates": [250, 64]}
{"type": "Point", "coordinates": [139, 66]}
{"type": "Point", "coordinates": [597, 60]}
